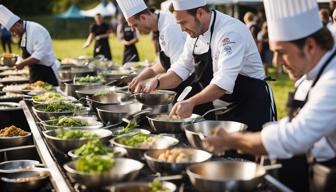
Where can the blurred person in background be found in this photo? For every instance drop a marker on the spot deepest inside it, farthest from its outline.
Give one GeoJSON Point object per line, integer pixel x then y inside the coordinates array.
{"type": "Point", "coordinates": [6, 39]}
{"type": "Point", "coordinates": [36, 47]}
{"type": "Point", "coordinates": [264, 49]}
{"type": "Point", "coordinates": [99, 31]}
{"type": "Point", "coordinates": [129, 37]}
{"type": "Point", "coordinates": [325, 17]}
{"type": "Point", "coordinates": [250, 21]}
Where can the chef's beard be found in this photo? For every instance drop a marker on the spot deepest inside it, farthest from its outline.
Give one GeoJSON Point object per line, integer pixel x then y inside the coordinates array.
{"type": "Point", "coordinates": [199, 29]}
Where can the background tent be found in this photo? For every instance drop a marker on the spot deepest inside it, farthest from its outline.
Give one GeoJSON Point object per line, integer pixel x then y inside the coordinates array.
{"type": "Point", "coordinates": [105, 10]}
{"type": "Point", "coordinates": [72, 13]}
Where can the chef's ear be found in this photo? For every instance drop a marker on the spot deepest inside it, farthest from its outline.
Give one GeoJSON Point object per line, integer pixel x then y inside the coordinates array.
{"type": "Point", "coordinates": [310, 45]}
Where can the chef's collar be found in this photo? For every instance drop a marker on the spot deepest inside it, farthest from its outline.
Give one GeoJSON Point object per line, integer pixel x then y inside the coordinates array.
{"type": "Point", "coordinates": [313, 73]}
{"type": "Point", "coordinates": [160, 22]}
{"type": "Point", "coordinates": [208, 32]}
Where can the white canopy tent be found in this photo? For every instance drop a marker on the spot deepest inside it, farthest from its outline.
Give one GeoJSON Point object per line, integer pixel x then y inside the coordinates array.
{"type": "Point", "coordinates": [108, 10]}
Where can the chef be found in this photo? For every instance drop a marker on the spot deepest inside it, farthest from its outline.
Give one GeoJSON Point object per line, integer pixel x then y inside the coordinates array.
{"type": "Point", "coordinates": [171, 42]}
{"type": "Point", "coordinates": [307, 53]}
{"type": "Point", "coordinates": [36, 47]}
{"type": "Point", "coordinates": [227, 65]}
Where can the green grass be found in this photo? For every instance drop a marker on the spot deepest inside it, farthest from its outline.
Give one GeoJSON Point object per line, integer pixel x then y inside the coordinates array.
{"type": "Point", "coordinates": [73, 48]}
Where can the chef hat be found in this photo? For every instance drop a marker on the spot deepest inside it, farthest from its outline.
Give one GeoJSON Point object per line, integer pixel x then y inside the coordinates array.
{"type": "Point", "coordinates": [182, 5]}
{"type": "Point", "coordinates": [291, 19]}
{"type": "Point", "coordinates": [131, 7]}
{"type": "Point", "coordinates": [7, 18]}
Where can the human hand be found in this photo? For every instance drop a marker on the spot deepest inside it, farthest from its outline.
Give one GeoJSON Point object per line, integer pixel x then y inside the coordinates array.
{"type": "Point", "coordinates": [182, 109]}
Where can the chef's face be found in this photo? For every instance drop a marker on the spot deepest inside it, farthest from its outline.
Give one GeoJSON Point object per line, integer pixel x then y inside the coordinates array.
{"type": "Point", "coordinates": [98, 19]}
{"type": "Point", "coordinates": [141, 23]}
{"type": "Point", "coordinates": [17, 29]}
{"type": "Point", "coordinates": [189, 23]}
{"type": "Point", "coordinates": [294, 60]}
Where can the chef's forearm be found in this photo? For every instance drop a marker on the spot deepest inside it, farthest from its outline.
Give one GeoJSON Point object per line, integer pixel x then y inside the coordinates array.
{"type": "Point", "coordinates": [247, 142]}
{"type": "Point", "coordinates": [30, 61]}
{"type": "Point", "coordinates": [169, 80]}
{"type": "Point", "coordinates": [209, 94]}
{"type": "Point", "coordinates": [146, 74]}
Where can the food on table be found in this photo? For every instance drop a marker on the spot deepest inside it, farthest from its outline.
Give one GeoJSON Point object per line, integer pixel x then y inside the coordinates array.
{"type": "Point", "coordinates": [49, 97]}
{"type": "Point", "coordinates": [58, 107]}
{"type": "Point", "coordinates": [95, 163]}
{"type": "Point", "coordinates": [15, 78]}
{"type": "Point", "coordinates": [175, 156]}
{"type": "Point", "coordinates": [15, 88]}
{"type": "Point", "coordinates": [9, 95]}
{"type": "Point", "coordinates": [103, 92]}
{"type": "Point", "coordinates": [126, 129]}
{"type": "Point", "coordinates": [167, 118]}
{"type": "Point", "coordinates": [94, 147]}
{"type": "Point", "coordinates": [139, 139]}
{"type": "Point", "coordinates": [12, 131]}
{"type": "Point", "coordinates": [65, 121]}
{"type": "Point", "coordinates": [28, 179]}
{"type": "Point", "coordinates": [14, 72]}
{"type": "Point", "coordinates": [117, 72]}
{"type": "Point", "coordinates": [76, 134]}
{"type": "Point", "coordinates": [39, 86]}
{"type": "Point", "coordinates": [89, 80]}
{"type": "Point", "coordinates": [156, 186]}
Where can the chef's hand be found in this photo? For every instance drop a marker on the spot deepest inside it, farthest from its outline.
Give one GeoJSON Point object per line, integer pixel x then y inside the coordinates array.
{"type": "Point", "coordinates": [182, 109]}
{"type": "Point", "coordinates": [151, 85]}
{"type": "Point", "coordinates": [134, 83]}
{"type": "Point", "coordinates": [98, 37]}
{"type": "Point", "coordinates": [86, 44]}
{"type": "Point", "coordinates": [19, 66]}
{"type": "Point", "coordinates": [218, 141]}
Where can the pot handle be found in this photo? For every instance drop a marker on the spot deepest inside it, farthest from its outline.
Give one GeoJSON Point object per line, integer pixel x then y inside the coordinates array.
{"type": "Point", "coordinates": [214, 110]}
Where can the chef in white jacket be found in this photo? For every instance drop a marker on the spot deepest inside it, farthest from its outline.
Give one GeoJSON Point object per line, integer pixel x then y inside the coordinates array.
{"type": "Point", "coordinates": [36, 47]}
{"type": "Point", "coordinates": [171, 42]}
{"type": "Point", "coordinates": [227, 64]}
{"type": "Point", "coordinates": [307, 53]}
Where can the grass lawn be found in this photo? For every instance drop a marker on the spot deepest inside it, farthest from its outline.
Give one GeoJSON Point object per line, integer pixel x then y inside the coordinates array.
{"type": "Point", "coordinates": [73, 48]}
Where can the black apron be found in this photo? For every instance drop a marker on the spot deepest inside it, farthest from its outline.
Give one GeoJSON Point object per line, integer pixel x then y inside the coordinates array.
{"type": "Point", "coordinates": [130, 51]}
{"type": "Point", "coordinates": [295, 172]}
{"type": "Point", "coordinates": [200, 109]}
{"type": "Point", "coordinates": [252, 102]}
{"type": "Point", "coordinates": [101, 46]}
{"type": "Point", "coordinates": [38, 71]}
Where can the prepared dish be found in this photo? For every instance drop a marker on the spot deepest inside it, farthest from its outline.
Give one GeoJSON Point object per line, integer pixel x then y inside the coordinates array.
{"type": "Point", "coordinates": [95, 147]}
{"type": "Point", "coordinates": [131, 125]}
{"type": "Point", "coordinates": [76, 134]}
{"type": "Point", "coordinates": [12, 131]}
{"type": "Point", "coordinates": [65, 121]}
{"type": "Point", "coordinates": [95, 163]}
{"type": "Point", "coordinates": [49, 97]}
{"type": "Point", "coordinates": [89, 80]}
{"type": "Point", "coordinates": [139, 139]}
{"type": "Point", "coordinates": [14, 78]}
{"type": "Point", "coordinates": [15, 88]}
{"type": "Point", "coordinates": [167, 118]}
{"type": "Point", "coordinates": [39, 86]}
{"type": "Point", "coordinates": [58, 107]}
{"type": "Point", "coordinates": [175, 156]}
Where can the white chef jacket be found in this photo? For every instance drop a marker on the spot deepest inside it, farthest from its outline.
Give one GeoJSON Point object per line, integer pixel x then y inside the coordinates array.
{"type": "Point", "coordinates": [171, 37]}
{"type": "Point", "coordinates": [314, 128]}
{"type": "Point", "coordinates": [39, 45]}
{"type": "Point", "coordinates": [233, 52]}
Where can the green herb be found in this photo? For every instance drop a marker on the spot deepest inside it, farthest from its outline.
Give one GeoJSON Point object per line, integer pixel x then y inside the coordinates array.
{"type": "Point", "coordinates": [102, 92]}
{"type": "Point", "coordinates": [135, 140]}
{"type": "Point", "coordinates": [76, 134]}
{"type": "Point", "coordinates": [89, 79]}
{"type": "Point", "coordinates": [131, 125]}
{"type": "Point", "coordinates": [59, 107]}
{"type": "Point", "coordinates": [48, 97]}
{"type": "Point", "coordinates": [46, 86]}
{"type": "Point", "coordinates": [95, 164]}
{"type": "Point", "coordinates": [65, 121]}
{"type": "Point", "coordinates": [156, 186]}
{"type": "Point", "coordinates": [92, 148]}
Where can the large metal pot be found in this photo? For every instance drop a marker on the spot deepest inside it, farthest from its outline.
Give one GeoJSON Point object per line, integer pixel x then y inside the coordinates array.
{"type": "Point", "coordinates": [89, 92]}
{"type": "Point", "coordinates": [113, 114]}
{"type": "Point", "coordinates": [197, 131]}
{"type": "Point", "coordinates": [159, 97]}
{"type": "Point", "coordinates": [168, 167]}
{"type": "Point", "coordinates": [70, 88]}
{"type": "Point", "coordinates": [110, 99]}
{"type": "Point", "coordinates": [218, 176]}
{"type": "Point", "coordinates": [140, 187]}
{"type": "Point", "coordinates": [75, 72]}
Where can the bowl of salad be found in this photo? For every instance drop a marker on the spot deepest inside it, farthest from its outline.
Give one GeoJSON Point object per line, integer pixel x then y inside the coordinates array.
{"type": "Point", "coordinates": [76, 122]}
{"type": "Point", "coordinates": [96, 171]}
{"type": "Point", "coordinates": [55, 110]}
{"type": "Point", "coordinates": [67, 139]}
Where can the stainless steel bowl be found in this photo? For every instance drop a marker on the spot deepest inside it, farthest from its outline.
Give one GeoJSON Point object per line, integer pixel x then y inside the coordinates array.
{"type": "Point", "coordinates": [110, 99]}
{"type": "Point", "coordinates": [160, 97]}
{"type": "Point", "coordinates": [9, 61]}
{"type": "Point", "coordinates": [91, 122]}
{"type": "Point", "coordinates": [17, 165]}
{"type": "Point", "coordinates": [77, 72]}
{"type": "Point", "coordinates": [6, 142]}
{"type": "Point", "coordinates": [17, 182]}
{"type": "Point", "coordinates": [70, 88]}
{"type": "Point", "coordinates": [170, 126]}
{"type": "Point", "coordinates": [162, 142]}
{"type": "Point", "coordinates": [89, 92]}
{"type": "Point", "coordinates": [113, 114]}
{"type": "Point", "coordinates": [206, 128]}
{"type": "Point", "coordinates": [44, 116]}
{"type": "Point", "coordinates": [9, 106]}
{"type": "Point", "coordinates": [220, 176]}
{"type": "Point", "coordinates": [65, 145]}
{"type": "Point", "coordinates": [139, 187]}
{"type": "Point", "coordinates": [132, 131]}
{"type": "Point", "coordinates": [167, 168]}
{"type": "Point", "coordinates": [117, 151]}
{"type": "Point", "coordinates": [123, 170]}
